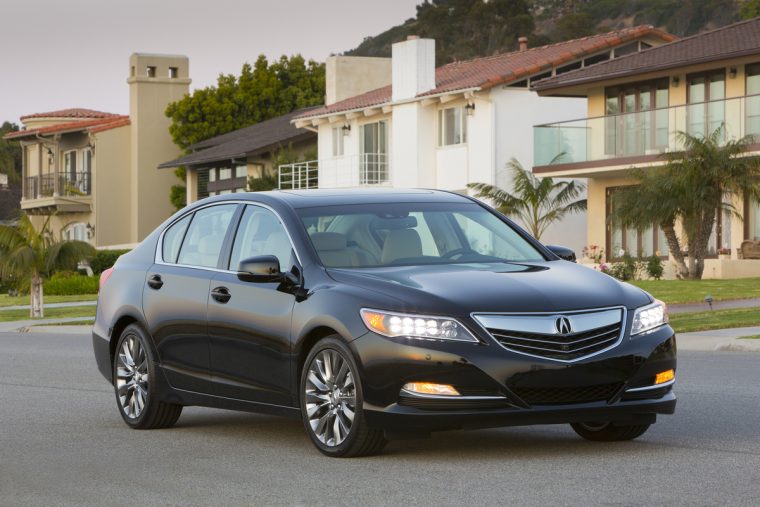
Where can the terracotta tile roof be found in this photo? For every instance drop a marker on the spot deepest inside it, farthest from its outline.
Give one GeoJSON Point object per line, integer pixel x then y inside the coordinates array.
{"type": "Point", "coordinates": [739, 39]}
{"type": "Point", "coordinates": [76, 112]}
{"type": "Point", "coordinates": [96, 125]}
{"type": "Point", "coordinates": [261, 137]}
{"type": "Point", "coordinates": [487, 72]}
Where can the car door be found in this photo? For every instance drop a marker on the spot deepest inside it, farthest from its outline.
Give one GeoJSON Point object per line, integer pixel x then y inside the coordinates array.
{"type": "Point", "coordinates": [176, 295]}
{"type": "Point", "coordinates": [249, 323]}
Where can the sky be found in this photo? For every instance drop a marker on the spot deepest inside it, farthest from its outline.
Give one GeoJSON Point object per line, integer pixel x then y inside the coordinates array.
{"type": "Point", "coordinates": [75, 53]}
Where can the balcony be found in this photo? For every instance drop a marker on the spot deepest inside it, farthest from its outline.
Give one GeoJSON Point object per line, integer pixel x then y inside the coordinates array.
{"type": "Point", "coordinates": [348, 171]}
{"type": "Point", "coordinates": [57, 192]}
{"type": "Point", "coordinates": [592, 145]}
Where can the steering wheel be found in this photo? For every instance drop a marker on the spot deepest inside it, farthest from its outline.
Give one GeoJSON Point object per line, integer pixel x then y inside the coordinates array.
{"type": "Point", "coordinates": [456, 252]}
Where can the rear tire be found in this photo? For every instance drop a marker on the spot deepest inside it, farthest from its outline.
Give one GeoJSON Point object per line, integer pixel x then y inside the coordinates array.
{"type": "Point", "coordinates": [134, 369]}
{"type": "Point", "coordinates": [606, 432]}
{"type": "Point", "coordinates": [332, 401]}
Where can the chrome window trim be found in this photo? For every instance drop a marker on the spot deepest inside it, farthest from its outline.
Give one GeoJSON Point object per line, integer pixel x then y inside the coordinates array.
{"type": "Point", "coordinates": [652, 387]}
{"type": "Point", "coordinates": [623, 327]}
{"type": "Point", "coordinates": [158, 257]}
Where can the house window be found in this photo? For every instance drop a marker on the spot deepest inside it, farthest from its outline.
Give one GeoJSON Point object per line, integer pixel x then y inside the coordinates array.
{"type": "Point", "coordinates": [753, 220]}
{"type": "Point", "coordinates": [225, 173]}
{"type": "Point", "coordinates": [753, 99]}
{"type": "Point", "coordinates": [374, 153]}
{"type": "Point", "coordinates": [75, 232]}
{"type": "Point", "coordinates": [337, 141]}
{"type": "Point", "coordinates": [635, 242]}
{"type": "Point", "coordinates": [638, 118]}
{"type": "Point", "coordinates": [211, 175]}
{"type": "Point", "coordinates": [452, 126]}
{"type": "Point", "coordinates": [173, 72]}
{"type": "Point", "coordinates": [150, 71]}
{"type": "Point", "coordinates": [706, 109]}
{"type": "Point", "coordinates": [241, 171]}
{"type": "Point", "coordinates": [70, 164]}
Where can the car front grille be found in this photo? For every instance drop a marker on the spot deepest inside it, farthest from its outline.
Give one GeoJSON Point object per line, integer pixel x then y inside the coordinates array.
{"type": "Point", "coordinates": [540, 335]}
{"type": "Point", "coordinates": [565, 395]}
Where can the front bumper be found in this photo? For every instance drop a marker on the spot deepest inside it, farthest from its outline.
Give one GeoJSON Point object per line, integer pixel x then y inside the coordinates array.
{"type": "Point", "coordinates": [504, 388]}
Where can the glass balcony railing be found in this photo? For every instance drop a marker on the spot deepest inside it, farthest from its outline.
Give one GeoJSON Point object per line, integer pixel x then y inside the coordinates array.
{"type": "Point", "coordinates": [641, 133]}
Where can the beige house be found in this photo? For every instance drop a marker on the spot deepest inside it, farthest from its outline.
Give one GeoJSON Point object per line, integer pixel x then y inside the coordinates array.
{"type": "Point", "coordinates": [95, 172]}
{"type": "Point", "coordinates": [224, 164]}
{"type": "Point", "coordinates": [636, 105]}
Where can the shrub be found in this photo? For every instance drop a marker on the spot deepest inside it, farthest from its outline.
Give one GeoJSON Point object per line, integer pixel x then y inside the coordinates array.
{"type": "Point", "coordinates": [68, 284]}
{"type": "Point", "coordinates": [104, 259]}
{"type": "Point", "coordinates": [628, 269]}
{"type": "Point", "coordinates": [654, 267]}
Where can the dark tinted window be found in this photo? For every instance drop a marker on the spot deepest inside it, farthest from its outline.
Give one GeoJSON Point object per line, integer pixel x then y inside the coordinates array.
{"type": "Point", "coordinates": [173, 239]}
{"type": "Point", "coordinates": [205, 236]}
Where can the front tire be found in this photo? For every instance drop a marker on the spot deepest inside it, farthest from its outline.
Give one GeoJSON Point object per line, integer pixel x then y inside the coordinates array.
{"type": "Point", "coordinates": [606, 432]}
{"type": "Point", "coordinates": [134, 369]}
{"type": "Point", "coordinates": [332, 400]}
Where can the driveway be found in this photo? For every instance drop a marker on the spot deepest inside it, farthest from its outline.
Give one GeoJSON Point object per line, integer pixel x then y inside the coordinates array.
{"type": "Point", "coordinates": [62, 442]}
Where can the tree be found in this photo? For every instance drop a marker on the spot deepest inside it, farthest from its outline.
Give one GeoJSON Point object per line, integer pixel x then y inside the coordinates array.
{"type": "Point", "coordinates": [262, 91]}
{"type": "Point", "coordinates": [692, 188]}
{"type": "Point", "coordinates": [536, 202]}
{"type": "Point", "coordinates": [750, 9]}
{"type": "Point", "coordinates": [29, 256]}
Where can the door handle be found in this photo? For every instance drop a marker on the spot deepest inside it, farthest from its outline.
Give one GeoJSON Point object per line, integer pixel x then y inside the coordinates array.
{"type": "Point", "coordinates": [221, 294]}
{"type": "Point", "coordinates": [155, 282]}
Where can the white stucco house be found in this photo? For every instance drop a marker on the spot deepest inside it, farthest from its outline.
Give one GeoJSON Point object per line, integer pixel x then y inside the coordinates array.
{"type": "Point", "coordinates": [401, 122]}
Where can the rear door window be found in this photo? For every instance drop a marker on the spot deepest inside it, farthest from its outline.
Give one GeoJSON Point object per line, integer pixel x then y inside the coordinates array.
{"type": "Point", "coordinates": [205, 236]}
{"type": "Point", "coordinates": [173, 239]}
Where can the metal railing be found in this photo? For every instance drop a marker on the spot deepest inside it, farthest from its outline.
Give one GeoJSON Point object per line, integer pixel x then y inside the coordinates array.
{"type": "Point", "coordinates": [339, 172]}
{"type": "Point", "coordinates": [50, 184]}
{"type": "Point", "coordinates": [640, 133]}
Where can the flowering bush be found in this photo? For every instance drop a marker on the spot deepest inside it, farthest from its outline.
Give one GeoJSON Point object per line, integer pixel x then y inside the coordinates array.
{"type": "Point", "coordinates": [594, 252]}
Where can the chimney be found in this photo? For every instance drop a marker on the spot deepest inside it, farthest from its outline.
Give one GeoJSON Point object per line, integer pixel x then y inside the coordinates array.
{"type": "Point", "coordinates": [347, 76]}
{"type": "Point", "coordinates": [413, 67]}
{"type": "Point", "coordinates": [523, 41]}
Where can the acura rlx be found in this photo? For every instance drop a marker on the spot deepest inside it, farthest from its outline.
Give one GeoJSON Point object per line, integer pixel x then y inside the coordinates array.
{"type": "Point", "coordinates": [376, 314]}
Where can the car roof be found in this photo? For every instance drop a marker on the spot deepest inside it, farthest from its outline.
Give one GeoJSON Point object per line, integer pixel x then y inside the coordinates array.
{"type": "Point", "coordinates": [331, 197]}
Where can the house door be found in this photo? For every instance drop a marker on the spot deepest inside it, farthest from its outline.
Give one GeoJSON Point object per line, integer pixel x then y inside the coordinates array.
{"type": "Point", "coordinates": [374, 153]}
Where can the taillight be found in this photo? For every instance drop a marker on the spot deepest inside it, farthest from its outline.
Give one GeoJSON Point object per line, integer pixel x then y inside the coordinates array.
{"type": "Point", "coordinates": [104, 276]}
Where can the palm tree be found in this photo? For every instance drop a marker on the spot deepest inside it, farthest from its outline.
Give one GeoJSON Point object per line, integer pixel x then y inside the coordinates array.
{"type": "Point", "coordinates": [692, 188]}
{"type": "Point", "coordinates": [536, 202]}
{"type": "Point", "coordinates": [30, 255]}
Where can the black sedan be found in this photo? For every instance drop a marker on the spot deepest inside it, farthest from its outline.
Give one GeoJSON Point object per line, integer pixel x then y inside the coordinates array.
{"type": "Point", "coordinates": [373, 315]}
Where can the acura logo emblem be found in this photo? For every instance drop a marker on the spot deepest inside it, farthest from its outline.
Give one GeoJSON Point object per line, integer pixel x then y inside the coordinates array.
{"type": "Point", "coordinates": [562, 325]}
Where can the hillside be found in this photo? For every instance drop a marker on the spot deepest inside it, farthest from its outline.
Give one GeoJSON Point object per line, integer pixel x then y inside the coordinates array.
{"type": "Point", "coordinates": [470, 28]}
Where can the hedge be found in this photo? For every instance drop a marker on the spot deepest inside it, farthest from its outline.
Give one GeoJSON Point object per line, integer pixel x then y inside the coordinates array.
{"type": "Point", "coordinates": [68, 284]}
{"type": "Point", "coordinates": [104, 259]}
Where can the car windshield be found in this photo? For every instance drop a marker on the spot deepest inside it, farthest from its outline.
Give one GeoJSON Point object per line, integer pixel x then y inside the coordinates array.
{"type": "Point", "coordinates": [407, 234]}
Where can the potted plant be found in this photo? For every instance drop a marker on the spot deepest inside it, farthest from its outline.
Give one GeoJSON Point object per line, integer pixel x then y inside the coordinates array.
{"type": "Point", "coordinates": [724, 253]}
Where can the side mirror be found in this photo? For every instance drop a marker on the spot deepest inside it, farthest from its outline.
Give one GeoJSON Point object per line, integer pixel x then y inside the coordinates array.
{"type": "Point", "coordinates": [564, 253]}
{"type": "Point", "coordinates": [260, 269]}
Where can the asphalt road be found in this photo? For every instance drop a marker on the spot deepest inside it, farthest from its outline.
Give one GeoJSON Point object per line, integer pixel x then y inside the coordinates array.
{"type": "Point", "coordinates": [62, 442]}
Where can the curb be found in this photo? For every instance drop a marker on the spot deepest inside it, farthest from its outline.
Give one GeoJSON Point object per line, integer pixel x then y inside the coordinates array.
{"type": "Point", "coordinates": [739, 345]}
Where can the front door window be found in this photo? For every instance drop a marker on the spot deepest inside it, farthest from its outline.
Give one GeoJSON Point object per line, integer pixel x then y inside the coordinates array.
{"type": "Point", "coordinates": [706, 109]}
{"type": "Point", "coordinates": [637, 118]}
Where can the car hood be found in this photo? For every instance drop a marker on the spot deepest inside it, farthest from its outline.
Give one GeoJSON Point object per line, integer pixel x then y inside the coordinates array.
{"type": "Point", "coordinates": [460, 289]}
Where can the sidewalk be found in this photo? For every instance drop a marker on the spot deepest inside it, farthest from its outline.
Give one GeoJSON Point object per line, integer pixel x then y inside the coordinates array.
{"type": "Point", "coordinates": [705, 341]}
{"type": "Point", "coordinates": [717, 305]}
{"type": "Point", "coordinates": [28, 325]}
{"type": "Point", "coordinates": [51, 305]}
{"type": "Point", "coordinates": [720, 339]}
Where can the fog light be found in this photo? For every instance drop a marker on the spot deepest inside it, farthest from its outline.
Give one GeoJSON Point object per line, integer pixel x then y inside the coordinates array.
{"type": "Point", "coordinates": [430, 388]}
{"type": "Point", "coordinates": [665, 376]}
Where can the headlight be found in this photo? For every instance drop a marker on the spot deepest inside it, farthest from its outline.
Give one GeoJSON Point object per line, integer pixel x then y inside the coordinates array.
{"type": "Point", "coordinates": [415, 326]}
{"type": "Point", "coordinates": [649, 317]}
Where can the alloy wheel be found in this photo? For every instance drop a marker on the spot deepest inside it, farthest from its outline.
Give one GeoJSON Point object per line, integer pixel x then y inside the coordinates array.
{"type": "Point", "coordinates": [330, 396]}
{"type": "Point", "coordinates": [132, 377]}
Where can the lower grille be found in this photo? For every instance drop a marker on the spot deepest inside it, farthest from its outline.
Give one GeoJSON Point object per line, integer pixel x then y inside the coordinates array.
{"type": "Point", "coordinates": [451, 404]}
{"type": "Point", "coordinates": [566, 395]}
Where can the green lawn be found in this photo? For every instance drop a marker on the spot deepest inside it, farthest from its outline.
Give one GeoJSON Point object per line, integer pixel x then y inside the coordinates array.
{"type": "Point", "coordinates": [50, 313]}
{"type": "Point", "coordinates": [694, 291]}
{"type": "Point", "coordinates": [6, 300]}
{"type": "Point", "coordinates": [716, 319]}
{"type": "Point", "coordinates": [753, 337]}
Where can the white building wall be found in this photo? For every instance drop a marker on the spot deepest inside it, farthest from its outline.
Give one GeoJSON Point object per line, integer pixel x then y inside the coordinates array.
{"type": "Point", "coordinates": [516, 111]}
